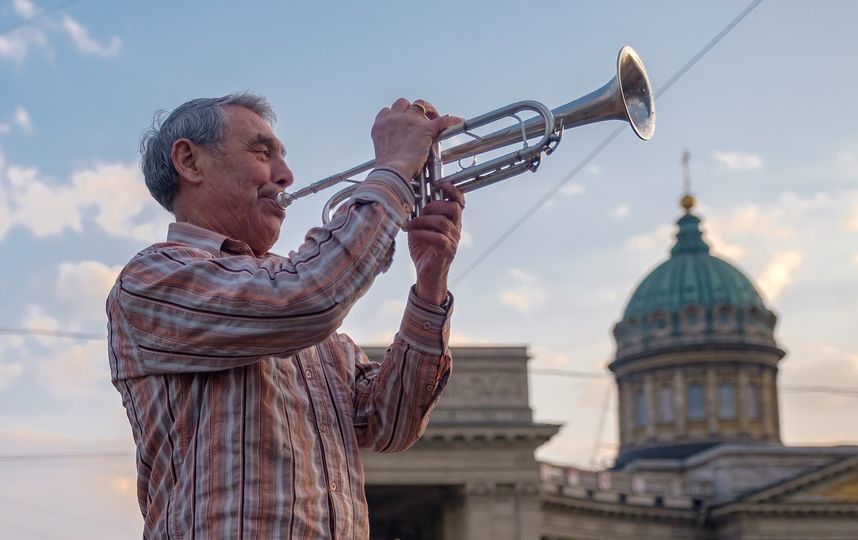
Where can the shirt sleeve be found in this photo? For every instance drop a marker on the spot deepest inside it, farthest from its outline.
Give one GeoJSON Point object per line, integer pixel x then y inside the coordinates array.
{"type": "Point", "coordinates": [394, 398]}
{"type": "Point", "coordinates": [177, 308]}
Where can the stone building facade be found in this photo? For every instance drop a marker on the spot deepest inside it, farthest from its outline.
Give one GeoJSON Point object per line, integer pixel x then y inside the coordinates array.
{"type": "Point", "coordinates": [700, 453]}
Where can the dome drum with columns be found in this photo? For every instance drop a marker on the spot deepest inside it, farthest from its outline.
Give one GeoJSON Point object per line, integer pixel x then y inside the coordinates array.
{"type": "Point", "coordinates": [696, 362]}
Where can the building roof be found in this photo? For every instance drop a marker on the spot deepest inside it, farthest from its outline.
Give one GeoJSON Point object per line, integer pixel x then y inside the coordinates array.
{"type": "Point", "coordinates": [692, 277]}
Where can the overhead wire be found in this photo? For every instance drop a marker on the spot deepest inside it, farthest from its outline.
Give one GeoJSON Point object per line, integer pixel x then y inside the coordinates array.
{"type": "Point", "coordinates": [602, 145]}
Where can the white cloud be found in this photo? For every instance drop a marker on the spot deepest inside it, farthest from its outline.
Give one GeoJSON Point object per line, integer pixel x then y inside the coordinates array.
{"type": "Point", "coordinates": [17, 44]}
{"type": "Point", "coordinates": [466, 240]}
{"type": "Point", "coordinates": [738, 161]}
{"type": "Point", "coordinates": [85, 43]}
{"type": "Point", "coordinates": [25, 8]}
{"type": "Point", "coordinates": [659, 239]}
{"type": "Point", "coordinates": [571, 189]}
{"type": "Point", "coordinates": [113, 195]}
{"type": "Point", "coordinates": [82, 287]}
{"type": "Point", "coordinates": [36, 319]}
{"type": "Point", "coordinates": [22, 118]}
{"type": "Point", "coordinates": [546, 357]}
{"type": "Point", "coordinates": [525, 295]}
{"type": "Point", "coordinates": [620, 211]}
{"type": "Point", "coordinates": [120, 195]}
{"type": "Point", "coordinates": [770, 242]}
{"type": "Point", "coordinates": [81, 370]}
{"type": "Point", "coordinates": [5, 129]}
{"type": "Point", "coordinates": [852, 216]}
{"type": "Point", "coordinates": [778, 273]}
{"type": "Point", "coordinates": [43, 208]}
{"type": "Point", "coordinates": [10, 373]}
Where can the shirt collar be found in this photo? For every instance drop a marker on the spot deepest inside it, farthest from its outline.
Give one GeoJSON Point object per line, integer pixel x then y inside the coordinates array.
{"type": "Point", "coordinates": [210, 241]}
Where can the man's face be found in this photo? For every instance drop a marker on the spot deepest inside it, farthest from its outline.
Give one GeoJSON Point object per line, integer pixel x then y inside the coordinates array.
{"type": "Point", "coordinates": [242, 180]}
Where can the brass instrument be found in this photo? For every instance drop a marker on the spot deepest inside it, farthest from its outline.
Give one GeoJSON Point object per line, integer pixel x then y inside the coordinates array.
{"type": "Point", "coordinates": [627, 96]}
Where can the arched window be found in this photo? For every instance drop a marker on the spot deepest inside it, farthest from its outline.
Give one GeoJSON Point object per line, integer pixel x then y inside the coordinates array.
{"type": "Point", "coordinates": [727, 401]}
{"type": "Point", "coordinates": [696, 402]}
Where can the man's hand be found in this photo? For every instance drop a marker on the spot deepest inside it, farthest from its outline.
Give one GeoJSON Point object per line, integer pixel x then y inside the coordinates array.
{"type": "Point", "coordinates": [432, 241]}
{"type": "Point", "coordinates": [402, 135]}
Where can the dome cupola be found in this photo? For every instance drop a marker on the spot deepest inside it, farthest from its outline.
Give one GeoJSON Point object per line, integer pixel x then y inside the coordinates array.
{"type": "Point", "coordinates": [696, 359]}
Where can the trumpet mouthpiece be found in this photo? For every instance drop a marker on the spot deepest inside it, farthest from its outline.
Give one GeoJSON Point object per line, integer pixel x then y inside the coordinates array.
{"type": "Point", "coordinates": [284, 199]}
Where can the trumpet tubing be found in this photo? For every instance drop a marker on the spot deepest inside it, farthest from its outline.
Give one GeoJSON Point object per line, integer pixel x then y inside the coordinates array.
{"type": "Point", "coordinates": [627, 96]}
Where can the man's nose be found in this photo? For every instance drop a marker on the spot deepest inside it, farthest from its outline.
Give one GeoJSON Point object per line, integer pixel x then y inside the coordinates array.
{"type": "Point", "coordinates": [282, 174]}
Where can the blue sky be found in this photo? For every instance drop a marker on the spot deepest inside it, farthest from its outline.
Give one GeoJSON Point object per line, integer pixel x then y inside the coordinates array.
{"type": "Point", "coordinates": [768, 116]}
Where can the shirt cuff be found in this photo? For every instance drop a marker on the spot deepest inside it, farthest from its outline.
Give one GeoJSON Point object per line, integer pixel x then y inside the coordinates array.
{"type": "Point", "coordinates": [388, 188]}
{"type": "Point", "coordinates": [425, 326]}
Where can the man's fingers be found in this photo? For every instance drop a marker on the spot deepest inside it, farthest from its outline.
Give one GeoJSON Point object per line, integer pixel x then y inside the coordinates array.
{"type": "Point", "coordinates": [441, 123]}
{"type": "Point", "coordinates": [434, 222]}
{"type": "Point", "coordinates": [430, 111]}
{"type": "Point", "coordinates": [400, 105]}
{"type": "Point", "coordinates": [441, 242]}
{"type": "Point", "coordinates": [448, 210]}
{"type": "Point", "coordinates": [452, 193]}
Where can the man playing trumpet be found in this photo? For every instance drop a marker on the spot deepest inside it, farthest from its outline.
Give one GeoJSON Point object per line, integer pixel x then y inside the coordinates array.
{"type": "Point", "coordinates": [248, 409]}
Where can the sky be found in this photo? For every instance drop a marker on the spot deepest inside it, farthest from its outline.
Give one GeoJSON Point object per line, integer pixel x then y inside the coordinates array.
{"type": "Point", "coordinates": [767, 115]}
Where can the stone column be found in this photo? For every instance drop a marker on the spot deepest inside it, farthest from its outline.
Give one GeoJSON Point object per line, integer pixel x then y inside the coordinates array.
{"type": "Point", "coordinates": [680, 403]}
{"type": "Point", "coordinates": [649, 399]}
{"type": "Point", "coordinates": [768, 405]}
{"type": "Point", "coordinates": [712, 400]}
{"type": "Point", "coordinates": [743, 386]}
{"type": "Point", "coordinates": [621, 413]}
{"type": "Point", "coordinates": [773, 390]}
{"type": "Point", "coordinates": [627, 404]}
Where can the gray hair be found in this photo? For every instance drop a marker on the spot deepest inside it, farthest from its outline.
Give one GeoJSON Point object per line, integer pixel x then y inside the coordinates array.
{"type": "Point", "coordinates": [202, 121]}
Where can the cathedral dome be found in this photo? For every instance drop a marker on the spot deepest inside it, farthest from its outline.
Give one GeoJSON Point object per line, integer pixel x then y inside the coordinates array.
{"type": "Point", "coordinates": [691, 277]}
{"type": "Point", "coordinates": [692, 298]}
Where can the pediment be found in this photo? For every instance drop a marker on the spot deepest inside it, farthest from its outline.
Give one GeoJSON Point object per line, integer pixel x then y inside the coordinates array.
{"type": "Point", "coordinates": [833, 483]}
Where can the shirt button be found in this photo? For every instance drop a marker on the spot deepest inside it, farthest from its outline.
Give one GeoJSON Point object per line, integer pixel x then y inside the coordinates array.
{"type": "Point", "coordinates": [308, 374]}
{"type": "Point", "coordinates": [430, 387]}
{"type": "Point", "coordinates": [427, 325]}
{"type": "Point", "coordinates": [333, 486]}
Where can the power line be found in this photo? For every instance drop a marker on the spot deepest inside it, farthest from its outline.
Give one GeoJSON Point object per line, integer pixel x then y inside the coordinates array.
{"type": "Point", "coordinates": [597, 443]}
{"type": "Point", "coordinates": [845, 391]}
{"type": "Point", "coordinates": [86, 336]}
{"type": "Point", "coordinates": [602, 145]}
{"type": "Point", "coordinates": [527, 214]}
{"type": "Point", "coordinates": [62, 456]}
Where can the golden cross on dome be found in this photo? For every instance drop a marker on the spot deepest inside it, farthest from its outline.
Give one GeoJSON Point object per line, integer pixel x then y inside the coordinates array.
{"type": "Point", "coordinates": [687, 202]}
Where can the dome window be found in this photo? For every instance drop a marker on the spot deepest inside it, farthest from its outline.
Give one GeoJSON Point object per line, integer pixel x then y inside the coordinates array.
{"type": "Point", "coordinates": [696, 402]}
{"type": "Point", "coordinates": [753, 402]}
{"type": "Point", "coordinates": [727, 401]}
{"type": "Point", "coordinates": [665, 405]}
{"type": "Point", "coordinates": [640, 409]}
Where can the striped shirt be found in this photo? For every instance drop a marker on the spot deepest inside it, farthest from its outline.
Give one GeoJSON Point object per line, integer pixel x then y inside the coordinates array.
{"type": "Point", "coordinates": [247, 408]}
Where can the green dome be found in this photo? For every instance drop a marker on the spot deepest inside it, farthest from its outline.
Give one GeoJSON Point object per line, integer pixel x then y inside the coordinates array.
{"type": "Point", "coordinates": [692, 277]}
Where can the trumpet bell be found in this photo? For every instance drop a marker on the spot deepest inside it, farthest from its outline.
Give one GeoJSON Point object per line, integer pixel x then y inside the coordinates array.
{"type": "Point", "coordinates": [627, 96]}
{"type": "Point", "coordinates": [636, 93]}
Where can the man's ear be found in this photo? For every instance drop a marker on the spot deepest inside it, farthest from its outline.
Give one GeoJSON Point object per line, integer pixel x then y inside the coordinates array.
{"type": "Point", "coordinates": [187, 159]}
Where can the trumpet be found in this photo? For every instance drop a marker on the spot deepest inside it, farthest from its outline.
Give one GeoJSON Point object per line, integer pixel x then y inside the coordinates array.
{"type": "Point", "coordinates": [627, 96]}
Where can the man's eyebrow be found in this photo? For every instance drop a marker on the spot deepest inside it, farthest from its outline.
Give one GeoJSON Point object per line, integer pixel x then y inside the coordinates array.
{"type": "Point", "coordinates": [271, 143]}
